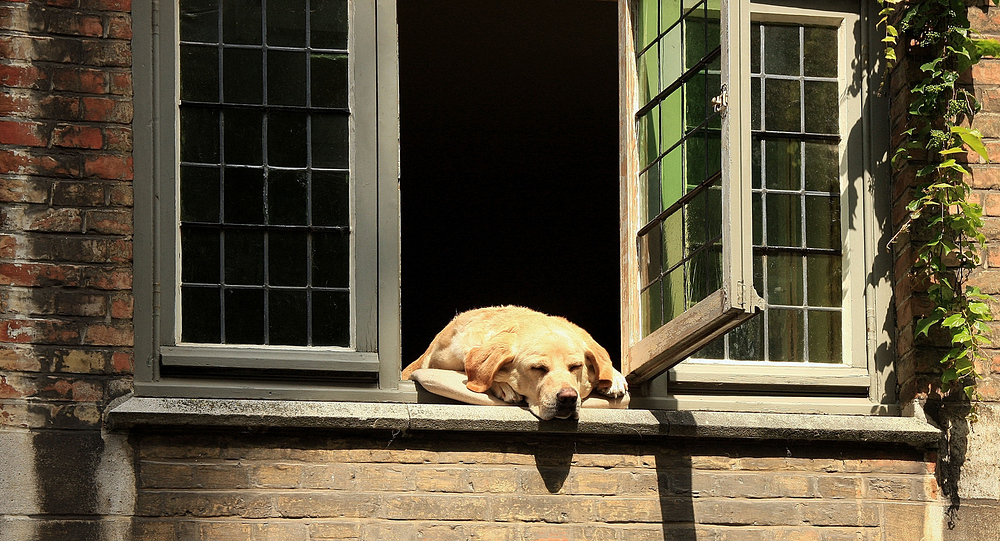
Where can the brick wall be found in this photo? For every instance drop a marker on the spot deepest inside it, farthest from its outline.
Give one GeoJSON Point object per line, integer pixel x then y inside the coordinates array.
{"type": "Point", "coordinates": [65, 353]}
{"type": "Point", "coordinates": [65, 266]}
{"type": "Point", "coordinates": [433, 486]}
{"type": "Point", "coordinates": [970, 469]}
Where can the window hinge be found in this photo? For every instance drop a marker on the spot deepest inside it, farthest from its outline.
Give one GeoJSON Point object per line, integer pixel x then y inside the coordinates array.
{"type": "Point", "coordinates": [721, 102]}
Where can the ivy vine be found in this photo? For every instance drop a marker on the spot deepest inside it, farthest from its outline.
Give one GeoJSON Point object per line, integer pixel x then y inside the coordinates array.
{"type": "Point", "coordinates": [946, 224]}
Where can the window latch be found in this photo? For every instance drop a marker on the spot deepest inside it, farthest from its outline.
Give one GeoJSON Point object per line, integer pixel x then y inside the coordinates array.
{"type": "Point", "coordinates": [721, 102]}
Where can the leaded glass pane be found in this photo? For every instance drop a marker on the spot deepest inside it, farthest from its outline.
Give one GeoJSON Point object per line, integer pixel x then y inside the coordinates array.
{"type": "Point", "coordinates": [201, 307]}
{"type": "Point", "coordinates": [796, 203]}
{"type": "Point", "coordinates": [264, 174]}
{"type": "Point", "coordinates": [680, 152]}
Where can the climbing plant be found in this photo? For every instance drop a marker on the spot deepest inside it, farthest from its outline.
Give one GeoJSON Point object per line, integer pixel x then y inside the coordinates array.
{"type": "Point", "coordinates": [946, 225]}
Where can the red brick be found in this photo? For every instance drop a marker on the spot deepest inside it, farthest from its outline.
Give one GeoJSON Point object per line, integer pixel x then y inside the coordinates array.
{"type": "Point", "coordinates": [121, 83]}
{"type": "Point", "coordinates": [23, 76]}
{"type": "Point", "coordinates": [991, 203]}
{"type": "Point", "coordinates": [16, 47]}
{"type": "Point", "coordinates": [75, 24]}
{"type": "Point", "coordinates": [122, 306]}
{"type": "Point", "coordinates": [114, 222]}
{"type": "Point", "coordinates": [118, 139]}
{"type": "Point", "coordinates": [11, 104]}
{"type": "Point", "coordinates": [106, 110]}
{"type": "Point", "coordinates": [19, 358]}
{"type": "Point", "coordinates": [984, 21]}
{"type": "Point", "coordinates": [78, 194]}
{"type": "Point", "coordinates": [116, 278]}
{"type": "Point", "coordinates": [121, 361]}
{"type": "Point", "coordinates": [903, 181]}
{"type": "Point", "coordinates": [31, 134]}
{"type": "Point", "coordinates": [114, 167]}
{"type": "Point", "coordinates": [24, 162]}
{"type": "Point", "coordinates": [987, 71]}
{"type": "Point", "coordinates": [24, 190]}
{"type": "Point", "coordinates": [55, 388]}
{"type": "Point", "coordinates": [66, 248]}
{"type": "Point", "coordinates": [120, 26]}
{"type": "Point", "coordinates": [90, 81]}
{"type": "Point", "coordinates": [39, 106]}
{"type": "Point", "coordinates": [49, 302]}
{"type": "Point", "coordinates": [8, 246]}
{"type": "Point", "coordinates": [993, 256]}
{"type": "Point", "coordinates": [988, 281]}
{"type": "Point", "coordinates": [988, 124]}
{"type": "Point", "coordinates": [13, 17]}
{"type": "Point", "coordinates": [86, 391]}
{"type": "Point", "coordinates": [62, 3]}
{"type": "Point", "coordinates": [101, 334]}
{"type": "Point", "coordinates": [38, 331]}
{"type": "Point", "coordinates": [72, 136]}
{"type": "Point", "coordinates": [68, 303]}
{"type": "Point", "coordinates": [106, 52]}
{"type": "Point", "coordinates": [121, 194]}
{"type": "Point", "coordinates": [106, 5]}
{"type": "Point", "coordinates": [7, 390]}
{"type": "Point", "coordinates": [53, 219]}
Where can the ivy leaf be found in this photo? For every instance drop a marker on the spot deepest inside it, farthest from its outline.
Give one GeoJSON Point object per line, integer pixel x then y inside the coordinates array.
{"type": "Point", "coordinates": [953, 165]}
{"type": "Point", "coordinates": [973, 138]}
{"type": "Point", "coordinates": [961, 338]}
{"type": "Point", "coordinates": [979, 308]}
{"type": "Point", "coordinates": [954, 320]}
{"type": "Point", "coordinates": [986, 46]}
{"type": "Point", "coordinates": [925, 324]}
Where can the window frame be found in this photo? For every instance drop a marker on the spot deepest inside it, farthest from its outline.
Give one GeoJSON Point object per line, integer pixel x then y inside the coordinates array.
{"type": "Point", "coordinates": [864, 384]}
{"type": "Point", "coordinates": [643, 357]}
{"type": "Point", "coordinates": [155, 121]}
{"type": "Point", "coordinates": [370, 368]}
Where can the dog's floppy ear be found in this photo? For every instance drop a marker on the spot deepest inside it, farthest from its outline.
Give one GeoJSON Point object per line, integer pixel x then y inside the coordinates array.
{"type": "Point", "coordinates": [482, 362]}
{"type": "Point", "coordinates": [600, 360]}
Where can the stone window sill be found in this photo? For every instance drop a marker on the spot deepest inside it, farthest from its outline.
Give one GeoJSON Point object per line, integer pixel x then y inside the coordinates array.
{"type": "Point", "coordinates": [143, 411]}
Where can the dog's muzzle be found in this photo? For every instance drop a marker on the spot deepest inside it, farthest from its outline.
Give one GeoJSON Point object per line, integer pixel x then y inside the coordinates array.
{"type": "Point", "coordinates": [566, 402]}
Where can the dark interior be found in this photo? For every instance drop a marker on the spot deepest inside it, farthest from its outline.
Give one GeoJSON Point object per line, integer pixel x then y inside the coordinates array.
{"type": "Point", "coordinates": [509, 162]}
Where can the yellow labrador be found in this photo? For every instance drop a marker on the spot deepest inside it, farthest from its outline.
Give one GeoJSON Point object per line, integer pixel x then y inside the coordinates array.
{"type": "Point", "coordinates": [520, 354]}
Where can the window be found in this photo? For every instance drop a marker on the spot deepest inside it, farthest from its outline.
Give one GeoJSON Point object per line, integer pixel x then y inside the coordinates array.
{"type": "Point", "coordinates": [756, 157]}
{"type": "Point", "coordinates": [268, 215]}
{"type": "Point", "coordinates": [268, 166]}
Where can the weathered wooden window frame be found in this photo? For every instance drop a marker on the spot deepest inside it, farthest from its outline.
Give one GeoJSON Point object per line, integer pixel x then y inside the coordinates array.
{"type": "Point", "coordinates": [370, 367]}
{"type": "Point", "coordinates": [645, 357]}
{"type": "Point", "coordinates": [862, 385]}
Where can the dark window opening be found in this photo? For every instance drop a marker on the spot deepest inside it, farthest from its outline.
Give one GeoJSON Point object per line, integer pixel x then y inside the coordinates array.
{"type": "Point", "coordinates": [509, 162]}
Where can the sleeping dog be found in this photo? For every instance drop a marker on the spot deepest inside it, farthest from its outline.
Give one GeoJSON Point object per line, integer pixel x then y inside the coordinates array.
{"type": "Point", "coordinates": [518, 354]}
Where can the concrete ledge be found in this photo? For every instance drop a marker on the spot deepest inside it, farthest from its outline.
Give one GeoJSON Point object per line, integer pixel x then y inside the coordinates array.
{"type": "Point", "coordinates": [464, 418]}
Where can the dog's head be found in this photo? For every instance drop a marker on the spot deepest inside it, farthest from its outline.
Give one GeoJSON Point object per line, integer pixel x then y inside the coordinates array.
{"type": "Point", "coordinates": [554, 365]}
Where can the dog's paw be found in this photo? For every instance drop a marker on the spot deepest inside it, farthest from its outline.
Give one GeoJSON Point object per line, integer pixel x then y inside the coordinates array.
{"type": "Point", "coordinates": [618, 386]}
{"type": "Point", "coordinates": [505, 392]}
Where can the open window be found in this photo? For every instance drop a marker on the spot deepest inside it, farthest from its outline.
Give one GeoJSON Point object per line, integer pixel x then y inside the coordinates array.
{"type": "Point", "coordinates": [268, 213]}
{"type": "Point", "coordinates": [752, 211]}
{"type": "Point", "coordinates": [686, 184]}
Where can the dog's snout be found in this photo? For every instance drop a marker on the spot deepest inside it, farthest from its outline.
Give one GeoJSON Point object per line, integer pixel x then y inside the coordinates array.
{"type": "Point", "coordinates": [567, 395]}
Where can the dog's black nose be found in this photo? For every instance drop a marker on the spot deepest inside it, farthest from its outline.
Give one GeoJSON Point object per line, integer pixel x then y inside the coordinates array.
{"type": "Point", "coordinates": [566, 396]}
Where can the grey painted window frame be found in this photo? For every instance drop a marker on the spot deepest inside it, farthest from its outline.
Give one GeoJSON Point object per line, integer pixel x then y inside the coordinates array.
{"type": "Point", "coordinates": [374, 354]}
{"type": "Point", "coordinates": [865, 384]}
{"type": "Point", "coordinates": [644, 357]}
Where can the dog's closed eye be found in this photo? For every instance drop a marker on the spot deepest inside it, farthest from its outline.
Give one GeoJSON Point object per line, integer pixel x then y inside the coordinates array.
{"type": "Point", "coordinates": [540, 368]}
{"type": "Point", "coordinates": [575, 367]}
